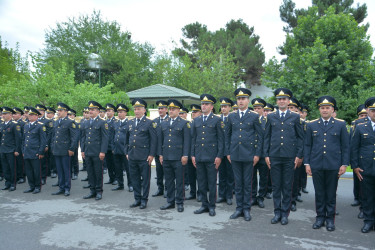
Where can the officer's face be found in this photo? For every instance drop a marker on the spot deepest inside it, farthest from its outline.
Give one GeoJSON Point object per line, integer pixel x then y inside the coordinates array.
{"type": "Point", "coordinates": [282, 103]}
{"type": "Point", "coordinates": [293, 109]}
{"type": "Point", "coordinates": [206, 108]}
{"type": "Point", "coordinates": [235, 109]}
{"type": "Point", "coordinates": [162, 111]}
{"type": "Point", "coordinates": [173, 112]}
{"type": "Point", "coordinates": [195, 114]}
{"type": "Point", "coordinates": [93, 112]}
{"type": "Point", "coordinates": [110, 113]}
{"type": "Point", "coordinates": [122, 114]}
{"type": "Point", "coordinates": [225, 109]}
{"type": "Point", "coordinates": [266, 112]}
{"type": "Point", "coordinates": [243, 102]}
{"type": "Point", "coordinates": [371, 114]}
{"type": "Point", "coordinates": [303, 115]}
{"type": "Point", "coordinates": [71, 116]}
{"type": "Point", "coordinates": [61, 113]}
{"type": "Point", "coordinates": [259, 110]}
{"type": "Point", "coordinates": [86, 115]}
{"type": "Point", "coordinates": [183, 115]}
{"type": "Point", "coordinates": [139, 111]}
{"type": "Point", "coordinates": [102, 114]}
{"type": "Point", "coordinates": [326, 111]}
{"type": "Point", "coordinates": [33, 118]}
{"type": "Point", "coordinates": [41, 112]}
{"type": "Point", "coordinates": [7, 116]}
{"type": "Point", "coordinates": [363, 115]}
{"type": "Point", "coordinates": [50, 115]}
{"type": "Point", "coordinates": [17, 116]}
{"type": "Point", "coordinates": [26, 114]}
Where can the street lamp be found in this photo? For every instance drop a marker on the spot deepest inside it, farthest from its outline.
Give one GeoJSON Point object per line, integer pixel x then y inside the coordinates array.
{"type": "Point", "coordinates": [94, 62]}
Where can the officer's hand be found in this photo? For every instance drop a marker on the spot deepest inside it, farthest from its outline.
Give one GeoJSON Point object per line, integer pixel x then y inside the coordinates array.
{"type": "Point", "coordinates": [184, 160]}
{"type": "Point", "coordinates": [342, 170]}
{"type": "Point", "coordinates": [193, 161]}
{"type": "Point", "coordinates": [255, 160]}
{"type": "Point", "coordinates": [127, 157]}
{"type": "Point", "coordinates": [83, 155]}
{"type": "Point", "coordinates": [150, 159]}
{"type": "Point", "coordinates": [228, 157]}
{"type": "Point", "coordinates": [71, 153]}
{"type": "Point", "coordinates": [268, 162]}
{"type": "Point", "coordinates": [217, 162]}
{"type": "Point", "coordinates": [297, 162]}
{"type": "Point", "coordinates": [308, 170]}
{"type": "Point", "coordinates": [358, 171]}
{"type": "Point", "coordinates": [16, 154]}
{"type": "Point", "coordinates": [40, 156]}
{"type": "Point", "coordinates": [101, 156]}
{"type": "Point", "coordinates": [46, 149]}
{"type": "Point", "coordinates": [161, 159]}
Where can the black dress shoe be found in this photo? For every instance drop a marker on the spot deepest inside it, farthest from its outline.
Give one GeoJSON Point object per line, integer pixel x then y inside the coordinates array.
{"type": "Point", "coordinates": [143, 205]}
{"type": "Point", "coordinates": [190, 197]}
{"type": "Point", "coordinates": [66, 193]}
{"type": "Point", "coordinates": [44, 182]}
{"type": "Point", "coordinates": [201, 210]}
{"type": "Point", "coordinates": [30, 190]}
{"type": "Point", "coordinates": [167, 206]}
{"type": "Point", "coordinates": [212, 212]}
{"type": "Point", "coordinates": [367, 228]}
{"type": "Point", "coordinates": [36, 191]}
{"type": "Point", "coordinates": [131, 189]}
{"type": "Point", "coordinates": [330, 226]}
{"type": "Point", "coordinates": [20, 181]}
{"type": "Point", "coordinates": [275, 219]}
{"type": "Point", "coordinates": [75, 177]}
{"type": "Point", "coordinates": [58, 192]}
{"type": "Point", "coordinates": [115, 183]}
{"type": "Point", "coordinates": [318, 224]}
{"type": "Point", "coordinates": [117, 188]}
{"type": "Point", "coordinates": [299, 199]}
{"type": "Point", "coordinates": [260, 204]}
{"type": "Point", "coordinates": [304, 190]}
{"type": "Point", "coordinates": [135, 204]}
{"type": "Point", "coordinates": [89, 196]}
{"type": "Point", "coordinates": [268, 196]}
{"type": "Point", "coordinates": [293, 207]}
{"type": "Point", "coordinates": [180, 208]}
{"type": "Point", "coordinates": [87, 186]}
{"type": "Point", "coordinates": [109, 182]}
{"type": "Point", "coordinates": [246, 215]}
{"type": "Point", "coordinates": [53, 175]}
{"type": "Point", "coordinates": [229, 202]}
{"type": "Point", "coordinates": [85, 179]}
{"type": "Point", "coordinates": [355, 203]}
{"type": "Point", "coordinates": [158, 193]}
{"type": "Point", "coordinates": [98, 197]}
{"type": "Point", "coordinates": [55, 185]}
{"type": "Point", "coordinates": [254, 202]}
{"type": "Point", "coordinates": [220, 200]}
{"type": "Point", "coordinates": [236, 214]}
{"type": "Point", "coordinates": [12, 189]}
{"type": "Point", "coordinates": [284, 220]}
{"type": "Point", "coordinates": [361, 215]}
{"type": "Point", "coordinates": [5, 188]}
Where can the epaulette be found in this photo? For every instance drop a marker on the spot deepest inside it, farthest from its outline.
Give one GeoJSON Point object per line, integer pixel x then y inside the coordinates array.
{"type": "Point", "coordinates": [252, 111]}
{"type": "Point", "coordinates": [361, 123]}
{"type": "Point", "coordinates": [217, 115]}
{"type": "Point", "coordinates": [72, 119]}
{"type": "Point", "coordinates": [56, 119]}
{"type": "Point", "coordinates": [315, 120]}
{"type": "Point", "coordinates": [102, 118]}
{"type": "Point", "coordinates": [339, 120]}
{"type": "Point", "coordinates": [41, 123]}
{"type": "Point", "coordinates": [15, 122]}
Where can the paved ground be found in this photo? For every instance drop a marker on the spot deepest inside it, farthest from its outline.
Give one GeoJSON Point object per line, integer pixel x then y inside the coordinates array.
{"type": "Point", "coordinates": [44, 221]}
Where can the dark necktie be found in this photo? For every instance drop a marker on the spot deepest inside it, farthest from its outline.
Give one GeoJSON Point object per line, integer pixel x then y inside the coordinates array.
{"type": "Point", "coordinates": [172, 120]}
{"type": "Point", "coordinates": [204, 118]}
{"type": "Point", "coordinates": [242, 113]}
{"type": "Point", "coordinates": [91, 121]}
{"type": "Point", "coordinates": [373, 128]}
{"type": "Point", "coordinates": [325, 123]}
{"type": "Point", "coordinates": [138, 121]}
{"type": "Point", "coordinates": [282, 116]}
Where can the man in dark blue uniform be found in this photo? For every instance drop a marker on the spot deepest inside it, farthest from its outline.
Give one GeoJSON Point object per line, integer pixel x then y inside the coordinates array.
{"type": "Point", "coordinates": [109, 159]}
{"type": "Point", "coordinates": [10, 148]}
{"type": "Point", "coordinates": [17, 117]}
{"type": "Point", "coordinates": [243, 147]}
{"type": "Point", "coordinates": [269, 108]}
{"type": "Point", "coordinates": [173, 151]}
{"type": "Point", "coordinates": [303, 175]}
{"type": "Point", "coordinates": [74, 163]}
{"type": "Point", "coordinates": [118, 147]}
{"type": "Point", "coordinates": [50, 114]}
{"type": "Point", "coordinates": [363, 163]}
{"type": "Point", "coordinates": [326, 156]}
{"type": "Point", "coordinates": [183, 114]}
{"type": "Point", "coordinates": [140, 149]}
{"type": "Point", "coordinates": [207, 150]}
{"type": "Point", "coordinates": [258, 195]}
{"type": "Point", "coordinates": [33, 148]}
{"type": "Point", "coordinates": [86, 117]}
{"type": "Point", "coordinates": [94, 145]}
{"type": "Point", "coordinates": [283, 151]}
{"type": "Point", "coordinates": [226, 178]}
{"type": "Point", "coordinates": [163, 116]}
{"type": "Point", "coordinates": [64, 144]}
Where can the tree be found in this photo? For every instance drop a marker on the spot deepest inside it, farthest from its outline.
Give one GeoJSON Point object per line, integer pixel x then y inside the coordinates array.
{"type": "Point", "coordinates": [124, 62]}
{"type": "Point", "coordinates": [237, 37]}
{"type": "Point", "coordinates": [326, 55]}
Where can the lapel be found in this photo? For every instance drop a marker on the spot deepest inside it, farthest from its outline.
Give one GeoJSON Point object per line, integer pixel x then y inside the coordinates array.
{"type": "Point", "coordinates": [330, 123]}
{"type": "Point", "coordinates": [175, 120]}
{"type": "Point", "coordinates": [287, 115]}
{"type": "Point", "coordinates": [278, 115]}
{"type": "Point", "coordinates": [369, 127]}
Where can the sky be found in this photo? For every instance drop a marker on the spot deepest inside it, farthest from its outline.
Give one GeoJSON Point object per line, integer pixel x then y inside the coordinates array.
{"type": "Point", "coordinates": [158, 22]}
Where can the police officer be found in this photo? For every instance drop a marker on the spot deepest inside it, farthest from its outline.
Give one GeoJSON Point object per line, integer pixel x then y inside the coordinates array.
{"type": "Point", "coordinates": [26, 110]}
{"type": "Point", "coordinates": [183, 114]}
{"type": "Point", "coordinates": [235, 106]}
{"type": "Point", "coordinates": [74, 163]}
{"type": "Point", "coordinates": [140, 149]}
{"type": "Point", "coordinates": [86, 117]}
{"type": "Point", "coordinates": [163, 116]}
{"type": "Point", "coordinates": [326, 156]}
{"type": "Point", "coordinates": [363, 162]}
{"type": "Point", "coordinates": [33, 148]}
{"type": "Point", "coordinates": [173, 151]}
{"type": "Point", "coordinates": [17, 116]}
{"type": "Point", "coordinates": [64, 144]}
{"type": "Point", "coordinates": [207, 150]}
{"type": "Point", "coordinates": [50, 114]}
{"type": "Point", "coordinates": [10, 147]}
{"type": "Point", "coordinates": [118, 147]}
{"type": "Point", "coordinates": [303, 175]}
{"type": "Point", "coordinates": [269, 108]}
{"type": "Point", "coordinates": [226, 178]}
{"type": "Point", "coordinates": [283, 151]}
{"type": "Point", "coordinates": [94, 145]}
{"type": "Point", "coordinates": [111, 119]}
{"type": "Point", "coordinates": [243, 140]}
{"type": "Point", "coordinates": [258, 195]}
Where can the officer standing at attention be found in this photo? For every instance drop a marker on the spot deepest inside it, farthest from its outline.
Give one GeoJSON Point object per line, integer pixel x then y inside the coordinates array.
{"type": "Point", "coordinates": [363, 163]}
{"type": "Point", "coordinates": [94, 145]}
{"type": "Point", "coordinates": [261, 167]}
{"type": "Point", "coordinates": [163, 116]}
{"type": "Point", "coordinates": [235, 106]}
{"type": "Point", "coordinates": [74, 163]}
{"type": "Point", "coordinates": [243, 147]}
{"type": "Point", "coordinates": [183, 114]}
{"type": "Point", "coordinates": [326, 156]}
{"type": "Point", "coordinates": [173, 151]}
{"type": "Point", "coordinates": [86, 117]}
{"type": "Point", "coordinates": [64, 144]}
{"type": "Point", "coordinates": [33, 148]}
{"type": "Point", "coordinates": [140, 149]}
{"type": "Point", "coordinates": [17, 116]}
{"type": "Point", "coordinates": [118, 147]}
{"type": "Point", "coordinates": [269, 108]}
{"type": "Point", "coordinates": [207, 150]}
{"type": "Point", "coordinates": [10, 147]}
{"type": "Point", "coordinates": [303, 175]}
{"type": "Point", "coordinates": [111, 119]}
{"type": "Point", "coordinates": [283, 151]}
{"type": "Point", "coordinates": [50, 113]}
{"type": "Point", "coordinates": [226, 178]}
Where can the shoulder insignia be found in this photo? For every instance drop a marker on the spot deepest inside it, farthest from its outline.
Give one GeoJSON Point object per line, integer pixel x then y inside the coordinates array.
{"type": "Point", "coordinates": [18, 128]}
{"type": "Point", "coordinates": [50, 124]}
{"type": "Point", "coordinates": [154, 124]}
{"type": "Point", "coordinates": [73, 125]}
{"type": "Point", "coordinates": [361, 123]}
{"type": "Point", "coordinates": [188, 125]}
{"type": "Point", "coordinates": [339, 120]}
{"type": "Point", "coordinates": [252, 111]}
{"type": "Point", "coordinates": [106, 126]}
{"type": "Point", "coordinates": [314, 120]}
{"type": "Point", "coordinates": [44, 128]}
{"type": "Point", "coordinates": [79, 125]}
